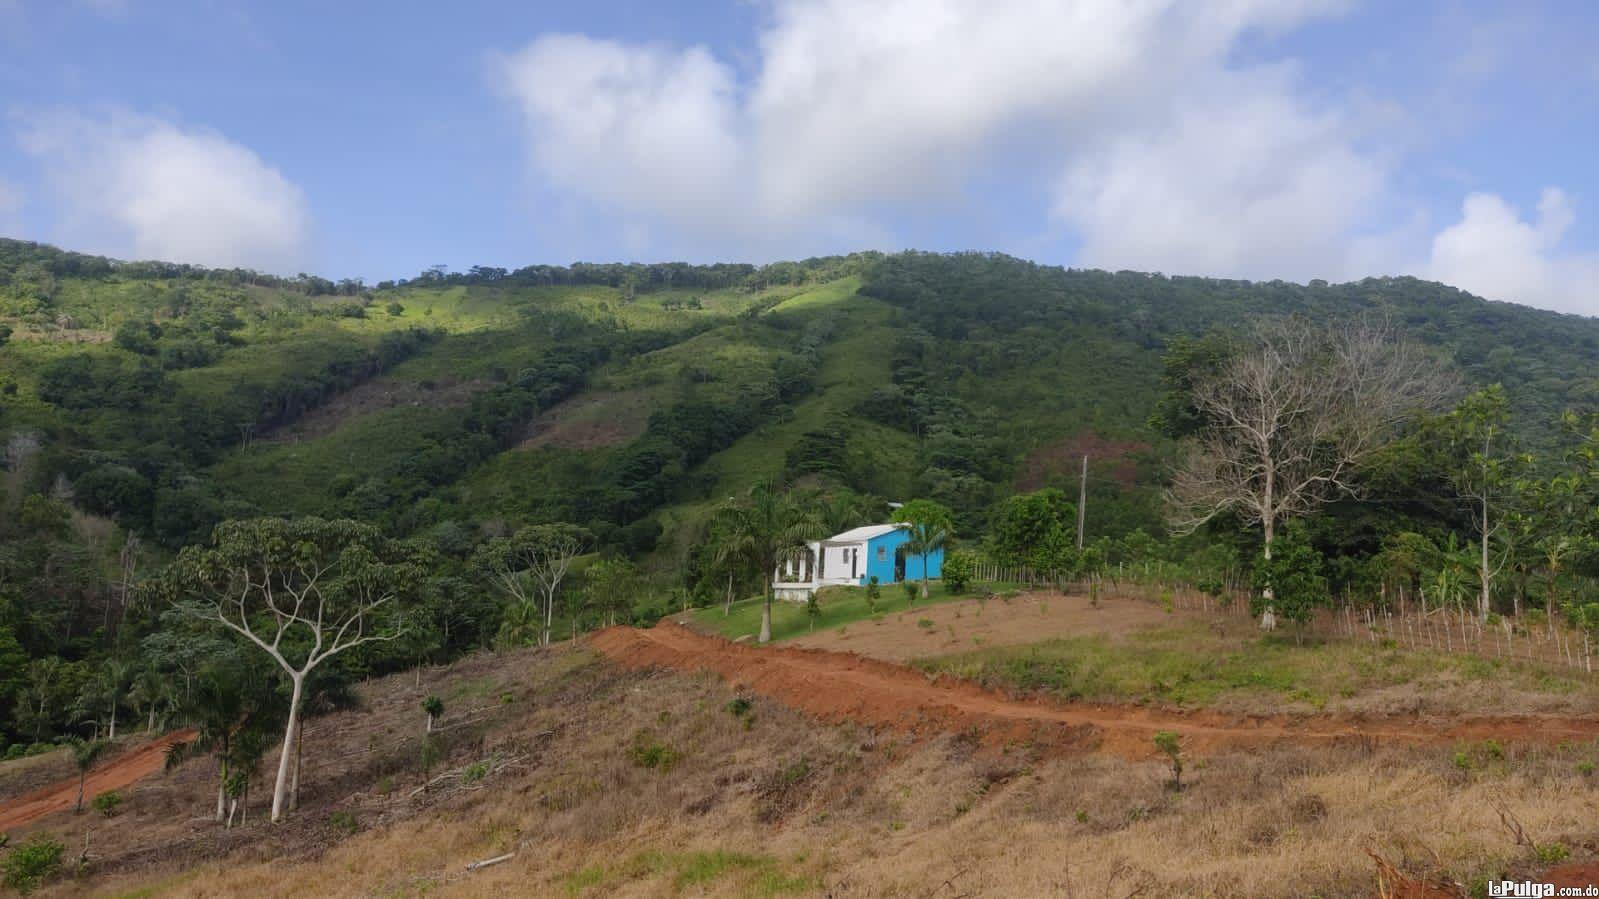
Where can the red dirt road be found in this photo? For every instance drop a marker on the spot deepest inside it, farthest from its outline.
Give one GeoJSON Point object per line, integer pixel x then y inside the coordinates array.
{"type": "Point", "coordinates": [846, 687]}
{"type": "Point", "coordinates": [120, 772]}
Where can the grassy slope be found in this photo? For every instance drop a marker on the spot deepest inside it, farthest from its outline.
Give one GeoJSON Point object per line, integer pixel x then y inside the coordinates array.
{"type": "Point", "coordinates": [1193, 664]}
{"type": "Point", "coordinates": [838, 607]}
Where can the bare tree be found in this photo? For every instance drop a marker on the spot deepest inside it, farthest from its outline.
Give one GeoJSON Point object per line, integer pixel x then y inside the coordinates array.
{"type": "Point", "coordinates": [1289, 420]}
{"type": "Point", "coordinates": [302, 591]}
{"type": "Point", "coordinates": [537, 556]}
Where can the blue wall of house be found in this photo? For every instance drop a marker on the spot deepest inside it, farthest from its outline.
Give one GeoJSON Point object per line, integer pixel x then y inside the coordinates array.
{"type": "Point", "coordinates": [880, 559]}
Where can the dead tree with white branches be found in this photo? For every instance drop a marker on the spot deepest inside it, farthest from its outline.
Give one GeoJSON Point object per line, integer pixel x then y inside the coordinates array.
{"type": "Point", "coordinates": [1287, 422]}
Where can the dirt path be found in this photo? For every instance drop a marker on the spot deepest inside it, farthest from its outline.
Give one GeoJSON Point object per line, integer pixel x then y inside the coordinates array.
{"type": "Point", "coordinates": [120, 772]}
{"type": "Point", "coordinates": [845, 687]}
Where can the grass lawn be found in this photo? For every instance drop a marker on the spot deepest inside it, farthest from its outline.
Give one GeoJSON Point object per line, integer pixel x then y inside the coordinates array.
{"type": "Point", "coordinates": [839, 606]}
{"type": "Point", "coordinates": [1192, 665]}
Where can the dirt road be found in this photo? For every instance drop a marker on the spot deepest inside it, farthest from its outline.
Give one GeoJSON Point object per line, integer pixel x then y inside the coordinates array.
{"type": "Point", "coordinates": [120, 772]}
{"type": "Point", "coordinates": [845, 687]}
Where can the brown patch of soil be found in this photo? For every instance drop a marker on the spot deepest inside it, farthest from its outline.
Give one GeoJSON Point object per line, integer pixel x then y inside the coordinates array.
{"type": "Point", "coordinates": [1063, 459]}
{"type": "Point", "coordinates": [123, 771]}
{"type": "Point", "coordinates": [591, 421]}
{"type": "Point", "coordinates": [1027, 618]}
{"type": "Point", "coordinates": [1574, 874]}
{"type": "Point", "coordinates": [371, 396]}
{"type": "Point", "coordinates": [845, 687]}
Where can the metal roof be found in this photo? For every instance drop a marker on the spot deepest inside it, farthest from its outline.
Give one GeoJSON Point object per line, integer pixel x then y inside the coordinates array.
{"type": "Point", "coordinates": [863, 534]}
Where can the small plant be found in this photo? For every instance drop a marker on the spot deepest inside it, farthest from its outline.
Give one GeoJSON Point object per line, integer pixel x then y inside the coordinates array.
{"type": "Point", "coordinates": [475, 772]}
{"type": "Point", "coordinates": [1093, 594]}
{"type": "Point", "coordinates": [343, 822]}
{"type": "Point", "coordinates": [874, 592]}
{"type": "Point", "coordinates": [924, 623]}
{"type": "Point", "coordinates": [107, 803]}
{"type": "Point", "coordinates": [1585, 768]}
{"type": "Point", "coordinates": [910, 591]}
{"type": "Point", "coordinates": [431, 753]}
{"type": "Point", "coordinates": [813, 610]}
{"type": "Point", "coordinates": [1551, 853]}
{"type": "Point", "coordinates": [30, 864]}
{"type": "Point", "coordinates": [1168, 743]}
{"type": "Point", "coordinates": [434, 707]}
{"type": "Point", "coordinates": [1082, 816]}
{"type": "Point", "coordinates": [739, 707]}
{"type": "Point", "coordinates": [1166, 601]}
{"type": "Point", "coordinates": [1462, 760]}
{"type": "Point", "coordinates": [648, 752]}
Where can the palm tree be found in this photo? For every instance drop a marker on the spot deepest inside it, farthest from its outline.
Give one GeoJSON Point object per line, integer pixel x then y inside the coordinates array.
{"type": "Point", "coordinates": [150, 695]}
{"type": "Point", "coordinates": [434, 706]}
{"type": "Point", "coordinates": [84, 754]}
{"type": "Point", "coordinates": [765, 528]}
{"type": "Point", "coordinates": [113, 680]}
{"type": "Point", "coordinates": [926, 538]}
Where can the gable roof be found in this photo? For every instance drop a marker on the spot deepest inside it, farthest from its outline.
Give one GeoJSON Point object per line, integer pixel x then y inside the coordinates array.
{"type": "Point", "coordinates": [862, 534]}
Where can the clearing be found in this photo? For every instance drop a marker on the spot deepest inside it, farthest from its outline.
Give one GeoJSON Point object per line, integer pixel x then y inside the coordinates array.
{"type": "Point", "coordinates": [117, 774]}
{"type": "Point", "coordinates": [840, 687]}
{"type": "Point", "coordinates": [592, 421]}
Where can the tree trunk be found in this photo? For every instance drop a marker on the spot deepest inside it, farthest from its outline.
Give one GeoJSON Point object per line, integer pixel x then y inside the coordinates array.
{"type": "Point", "coordinates": [280, 790]}
{"type": "Point", "coordinates": [766, 618]}
{"type": "Point", "coordinates": [222, 789]}
{"type": "Point", "coordinates": [1268, 615]}
{"type": "Point", "coordinates": [1482, 602]}
{"type": "Point", "coordinates": [113, 733]}
{"type": "Point", "coordinates": [924, 575]}
{"type": "Point", "coordinates": [83, 774]}
{"type": "Point", "coordinates": [151, 726]}
{"type": "Point", "coordinates": [549, 616]}
{"type": "Point", "coordinates": [728, 609]}
{"type": "Point", "coordinates": [299, 753]}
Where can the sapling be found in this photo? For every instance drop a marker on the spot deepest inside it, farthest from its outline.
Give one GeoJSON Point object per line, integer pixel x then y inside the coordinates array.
{"type": "Point", "coordinates": [1167, 742]}
{"type": "Point", "coordinates": [434, 706]}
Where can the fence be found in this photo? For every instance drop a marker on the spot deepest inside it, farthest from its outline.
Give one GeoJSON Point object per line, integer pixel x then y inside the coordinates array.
{"type": "Point", "coordinates": [1446, 629]}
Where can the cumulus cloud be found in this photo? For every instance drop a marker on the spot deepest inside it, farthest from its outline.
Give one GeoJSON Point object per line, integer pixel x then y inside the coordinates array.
{"type": "Point", "coordinates": [853, 112]}
{"type": "Point", "coordinates": [1493, 252]}
{"type": "Point", "coordinates": [141, 187]}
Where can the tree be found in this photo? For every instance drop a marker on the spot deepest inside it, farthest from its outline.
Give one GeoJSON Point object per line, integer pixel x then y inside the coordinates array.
{"type": "Point", "coordinates": [1170, 746]}
{"type": "Point", "coordinates": [1290, 582]}
{"type": "Point", "coordinates": [84, 754]}
{"type": "Point", "coordinates": [529, 567]}
{"type": "Point", "coordinates": [611, 586]}
{"type": "Point", "coordinates": [302, 591]}
{"type": "Point", "coordinates": [926, 538]}
{"type": "Point", "coordinates": [1485, 472]}
{"type": "Point", "coordinates": [1286, 423]}
{"type": "Point", "coordinates": [767, 527]}
{"type": "Point", "coordinates": [434, 707]}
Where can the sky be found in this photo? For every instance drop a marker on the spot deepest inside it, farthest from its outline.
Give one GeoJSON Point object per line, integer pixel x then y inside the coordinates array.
{"type": "Point", "coordinates": [1260, 139]}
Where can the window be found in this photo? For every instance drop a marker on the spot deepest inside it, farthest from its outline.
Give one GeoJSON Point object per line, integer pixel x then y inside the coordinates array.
{"type": "Point", "coordinates": [882, 554]}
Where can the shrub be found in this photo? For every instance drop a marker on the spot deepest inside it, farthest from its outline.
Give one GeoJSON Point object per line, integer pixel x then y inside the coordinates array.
{"type": "Point", "coordinates": [32, 863]}
{"type": "Point", "coordinates": [475, 772]}
{"type": "Point", "coordinates": [107, 803]}
{"type": "Point", "coordinates": [959, 569]}
{"type": "Point", "coordinates": [343, 822]}
{"type": "Point", "coordinates": [873, 593]}
{"type": "Point", "coordinates": [1167, 743]}
{"type": "Point", "coordinates": [739, 707]}
{"type": "Point", "coordinates": [910, 590]}
{"type": "Point", "coordinates": [648, 752]}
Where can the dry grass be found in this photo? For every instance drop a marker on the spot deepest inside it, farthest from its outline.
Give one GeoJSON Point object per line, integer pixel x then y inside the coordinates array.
{"type": "Point", "coordinates": [649, 785]}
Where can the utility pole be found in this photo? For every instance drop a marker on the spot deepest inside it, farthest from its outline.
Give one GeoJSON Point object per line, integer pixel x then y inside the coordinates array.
{"type": "Point", "coordinates": [1082, 502]}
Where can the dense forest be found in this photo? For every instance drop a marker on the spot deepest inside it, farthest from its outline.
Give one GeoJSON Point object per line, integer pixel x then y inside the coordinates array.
{"type": "Point", "coordinates": [498, 457]}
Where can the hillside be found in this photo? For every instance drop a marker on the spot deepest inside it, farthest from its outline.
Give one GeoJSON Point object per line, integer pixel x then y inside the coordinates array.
{"type": "Point", "coordinates": [626, 398]}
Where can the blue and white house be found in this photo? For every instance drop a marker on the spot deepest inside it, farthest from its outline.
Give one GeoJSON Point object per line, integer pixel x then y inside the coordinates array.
{"type": "Point", "coordinates": [853, 558]}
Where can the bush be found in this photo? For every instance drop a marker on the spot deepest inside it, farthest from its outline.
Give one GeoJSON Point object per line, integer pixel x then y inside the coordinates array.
{"type": "Point", "coordinates": [343, 822]}
{"type": "Point", "coordinates": [647, 752]}
{"type": "Point", "coordinates": [32, 863]}
{"type": "Point", "coordinates": [910, 590]}
{"type": "Point", "coordinates": [959, 570]}
{"type": "Point", "coordinates": [107, 803]}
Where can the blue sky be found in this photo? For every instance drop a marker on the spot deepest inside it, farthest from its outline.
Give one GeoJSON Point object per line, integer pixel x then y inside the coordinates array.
{"type": "Point", "coordinates": [1241, 138]}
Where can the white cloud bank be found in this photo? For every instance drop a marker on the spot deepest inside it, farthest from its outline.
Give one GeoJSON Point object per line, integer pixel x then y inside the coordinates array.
{"type": "Point", "coordinates": [1156, 148]}
{"type": "Point", "coordinates": [1493, 252]}
{"type": "Point", "coordinates": [139, 187]}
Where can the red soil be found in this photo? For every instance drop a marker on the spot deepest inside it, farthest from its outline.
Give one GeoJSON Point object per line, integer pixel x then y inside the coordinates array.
{"type": "Point", "coordinates": [846, 687]}
{"type": "Point", "coordinates": [123, 771]}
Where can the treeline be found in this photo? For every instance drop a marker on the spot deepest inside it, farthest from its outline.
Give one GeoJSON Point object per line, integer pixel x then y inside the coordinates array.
{"type": "Point", "coordinates": [645, 277]}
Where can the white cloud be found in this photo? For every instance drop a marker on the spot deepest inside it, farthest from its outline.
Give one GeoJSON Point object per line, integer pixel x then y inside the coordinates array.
{"type": "Point", "coordinates": [140, 187]}
{"type": "Point", "coordinates": [856, 111]}
{"type": "Point", "coordinates": [1242, 179]}
{"type": "Point", "coordinates": [1495, 253]}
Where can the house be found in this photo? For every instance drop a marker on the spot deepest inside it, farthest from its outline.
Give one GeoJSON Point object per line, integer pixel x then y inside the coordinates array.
{"type": "Point", "coordinates": [853, 558]}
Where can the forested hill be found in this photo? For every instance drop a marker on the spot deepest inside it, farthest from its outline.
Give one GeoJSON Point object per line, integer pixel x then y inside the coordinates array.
{"type": "Point", "coordinates": [143, 403]}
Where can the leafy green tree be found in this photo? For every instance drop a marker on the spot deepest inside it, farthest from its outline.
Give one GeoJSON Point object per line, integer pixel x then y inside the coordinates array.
{"type": "Point", "coordinates": [959, 570]}
{"type": "Point", "coordinates": [84, 754]}
{"type": "Point", "coordinates": [766, 527]}
{"type": "Point", "coordinates": [30, 864]}
{"type": "Point", "coordinates": [926, 538]}
{"type": "Point", "coordinates": [302, 591]}
{"type": "Point", "coordinates": [1290, 583]}
{"type": "Point", "coordinates": [529, 567]}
